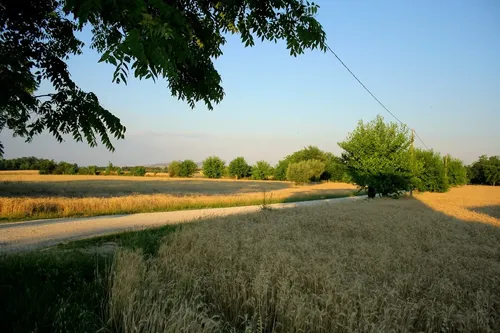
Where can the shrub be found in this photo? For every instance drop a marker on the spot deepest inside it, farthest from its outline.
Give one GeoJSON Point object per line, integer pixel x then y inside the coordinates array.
{"type": "Point", "coordinates": [119, 171]}
{"type": "Point", "coordinates": [213, 167]}
{"type": "Point", "coordinates": [299, 173]}
{"type": "Point", "coordinates": [281, 169]}
{"type": "Point", "coordinates": [305, 154]}
{"type": "Point", "coordinates": [317, 168]}
{"type": "Point", "coordinates": [47, 167]}
{"type": "Point", "coordinates": [239, 168]}
{"type": "Point", "coordinates": [110, 169]}
{"type": "Point", "coordinates": [335, 170]}
{"type": "Point", "coordinates": [456, 171]}
{"type": "Point", "coordinates": [432, 174]}
{"type": "Point", "coordinates": [174, 169]}
{"type": "Point", "coordinates": [262, 170]}
{"type": "Point", "coordinates": [138, 171]}
{"type": "Point", "coordinates": [90, 170]}
{"type": "Point", "coordinates": [187, 168]}
{"type": "Point", "coordinates": [65, 168]}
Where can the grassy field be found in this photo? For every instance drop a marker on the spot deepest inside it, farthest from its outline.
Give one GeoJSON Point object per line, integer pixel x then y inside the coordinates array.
{"type": "Point", "coordinates": [25, 195]}
{"type": "Point", "coordinates": [424, 264]}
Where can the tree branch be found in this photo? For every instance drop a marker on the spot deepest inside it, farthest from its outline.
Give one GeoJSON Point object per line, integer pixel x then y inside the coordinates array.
{"type": "Point", "coordinates": [46, 95]}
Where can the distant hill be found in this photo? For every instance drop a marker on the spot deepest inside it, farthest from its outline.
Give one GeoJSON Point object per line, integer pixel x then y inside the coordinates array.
{"type": "Point", "coordinates": [157, 165]}
{"type": "Point", "coordinates": [164, 165]}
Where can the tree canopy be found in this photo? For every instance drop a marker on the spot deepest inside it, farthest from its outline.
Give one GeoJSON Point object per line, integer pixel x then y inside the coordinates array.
{"type": "Point", "coordinates": [174, 40]}
{"type": "Point", "coordinates": [486, 170]}
{"type": "Point", "coordinates": [377, 156]}
{"type": "Point", "coordinates": [239, 168]}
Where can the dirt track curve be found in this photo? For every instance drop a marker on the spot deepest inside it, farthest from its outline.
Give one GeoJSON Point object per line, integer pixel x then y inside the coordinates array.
{"type": "Point", "coordinates": [30, 235]}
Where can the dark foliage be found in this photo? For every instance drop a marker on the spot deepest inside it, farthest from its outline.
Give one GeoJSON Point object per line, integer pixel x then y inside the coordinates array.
{"type": "Point", "coordinates": [485, 171]}
{"type": "Point", "coordinates": [174, 40]}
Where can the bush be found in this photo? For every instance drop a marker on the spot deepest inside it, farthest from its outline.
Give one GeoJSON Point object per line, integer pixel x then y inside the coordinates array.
{"type": "Point", "coordinates": [213, 167]}
{"type": "Point", "coordinates": [239, 168]}
{"type": "Point", "coordinates": [64, 168]}
{"type": "Point", "coordinates": [299, 173]}
{"type": "Point", "coordinates": [305, 171]}
{"type": "Point", "coordinates": [110, 169]}
{"type": "Point", "coordinates": [90, 170]}
{"type": "Point", "coordinates": [139, 171]}
{"type": "Point", "coordinates": [456, 172]}
{"type": "Point", "coordinates": [335, 170]}
{"type": "Point", "coordinates": [431, 176]}
{"type": "Point", "coordinates": [187, 168]}
{"type": "Point", "coordinates": [119, 171]}
{"type": "Point", "coordinates": [47, 167]}
{"type": "Point", "coordinates": [317, 168]}
{"type": "Point", "coordinates": [262, 170]}
{"type": "Point", "coordinates": [305, 154]}
{"type": "Point", "coordinates": [174, 169]}
{"type": "Point", "coordinates": [281, 169]}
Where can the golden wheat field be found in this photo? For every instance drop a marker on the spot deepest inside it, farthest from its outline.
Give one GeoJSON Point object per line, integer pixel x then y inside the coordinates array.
{"type": "Point", "coordinates": [425, 264]}
{"type": "Point", "coordinates": [28, 195]}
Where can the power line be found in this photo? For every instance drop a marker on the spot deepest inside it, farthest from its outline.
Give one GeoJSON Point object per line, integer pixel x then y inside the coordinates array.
{"type": "Point", "coordinates": [418, 136]}
{"type": "Point", "coordinates": [368, 90]}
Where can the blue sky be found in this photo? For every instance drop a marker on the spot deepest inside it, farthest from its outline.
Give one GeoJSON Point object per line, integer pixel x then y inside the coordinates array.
{"type": "Point", "coordinates": [435, 64]}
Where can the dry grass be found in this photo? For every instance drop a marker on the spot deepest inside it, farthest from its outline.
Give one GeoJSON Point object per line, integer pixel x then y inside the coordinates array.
{"type": "Point", "coordinates": [376, 266]}
{"type": "Point", "coordinates": [470, 203]}
{"type": "Point", "coordinates": [33, 196]}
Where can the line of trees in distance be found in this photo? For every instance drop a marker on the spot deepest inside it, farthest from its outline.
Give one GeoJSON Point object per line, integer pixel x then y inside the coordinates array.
{"type": "Point", "coordinates": [378, 156]}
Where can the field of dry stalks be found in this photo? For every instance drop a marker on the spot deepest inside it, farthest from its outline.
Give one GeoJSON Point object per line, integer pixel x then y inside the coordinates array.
{"type": "Point", "coordinates": [424, 264]}
{"type": "Point", "coordinates": [24, 195]}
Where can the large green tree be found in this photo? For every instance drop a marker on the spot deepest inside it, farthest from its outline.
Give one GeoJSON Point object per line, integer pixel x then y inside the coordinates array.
{"type": "Point", "coordinates": [187, 168]}
{"type": "Point", "coordinates": [175, 40]}
{"type": "Point", "coordinates": [213, 167]}
{"type": "Point", "coordinates": [377, 156]}
{"type": "Point", "coordinates": [239, 168]}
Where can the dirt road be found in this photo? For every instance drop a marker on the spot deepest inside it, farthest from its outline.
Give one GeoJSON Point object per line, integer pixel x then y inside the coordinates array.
{"type": "Point", "coordinates": [29, 235]}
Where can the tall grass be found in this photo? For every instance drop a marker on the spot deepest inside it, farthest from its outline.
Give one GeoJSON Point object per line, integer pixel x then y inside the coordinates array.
{"type": "Point", "coordinates": [20, 208]}
{"type": "Point", "coordinates": [56, 292]}
{"type": "Point", "coordinates": [383, 266]}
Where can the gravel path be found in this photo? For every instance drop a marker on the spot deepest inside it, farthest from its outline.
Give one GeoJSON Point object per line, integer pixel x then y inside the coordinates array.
{"type": "Point", "coordinates": [30, 235]}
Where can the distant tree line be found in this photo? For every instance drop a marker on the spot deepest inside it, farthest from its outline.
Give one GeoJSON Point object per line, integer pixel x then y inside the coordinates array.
{"type": "Point", "coordinates": [377, 156]}
{"type": "Point", "coordinates": [485, 171]}
{"type": "Point", "coordinates": [50, 167]}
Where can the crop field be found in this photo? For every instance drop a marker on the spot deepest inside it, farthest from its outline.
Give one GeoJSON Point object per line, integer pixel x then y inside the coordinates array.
{"type": "Point", "coordinates": [425, 264]}
{"type": "Point", "coordinates": [27, 195]}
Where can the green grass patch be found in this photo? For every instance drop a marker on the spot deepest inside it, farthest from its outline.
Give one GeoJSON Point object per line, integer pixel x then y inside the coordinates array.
{"type": "Point", "coordinates": [148, 240]}
{"type": "Point", "coordinates": [64, 289]}
{"type": "Point", "coordinates": [53, 291]}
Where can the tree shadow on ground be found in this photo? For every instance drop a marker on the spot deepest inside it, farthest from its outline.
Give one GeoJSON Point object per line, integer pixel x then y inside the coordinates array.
{"type": "Point", "coordinates": [319, 194]}
{"type": "Point", "coordinates": [451, 252]}
{"type": "Point", "coordinates": [493, 211]}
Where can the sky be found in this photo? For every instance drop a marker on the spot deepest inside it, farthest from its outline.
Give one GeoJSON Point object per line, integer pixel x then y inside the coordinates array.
{"type": "Point", "coordinates": [434, 64]}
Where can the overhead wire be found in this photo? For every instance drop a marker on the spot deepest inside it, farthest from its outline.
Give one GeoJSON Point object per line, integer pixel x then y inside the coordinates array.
{"type": "Point", "coordinates": [374, 97]}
